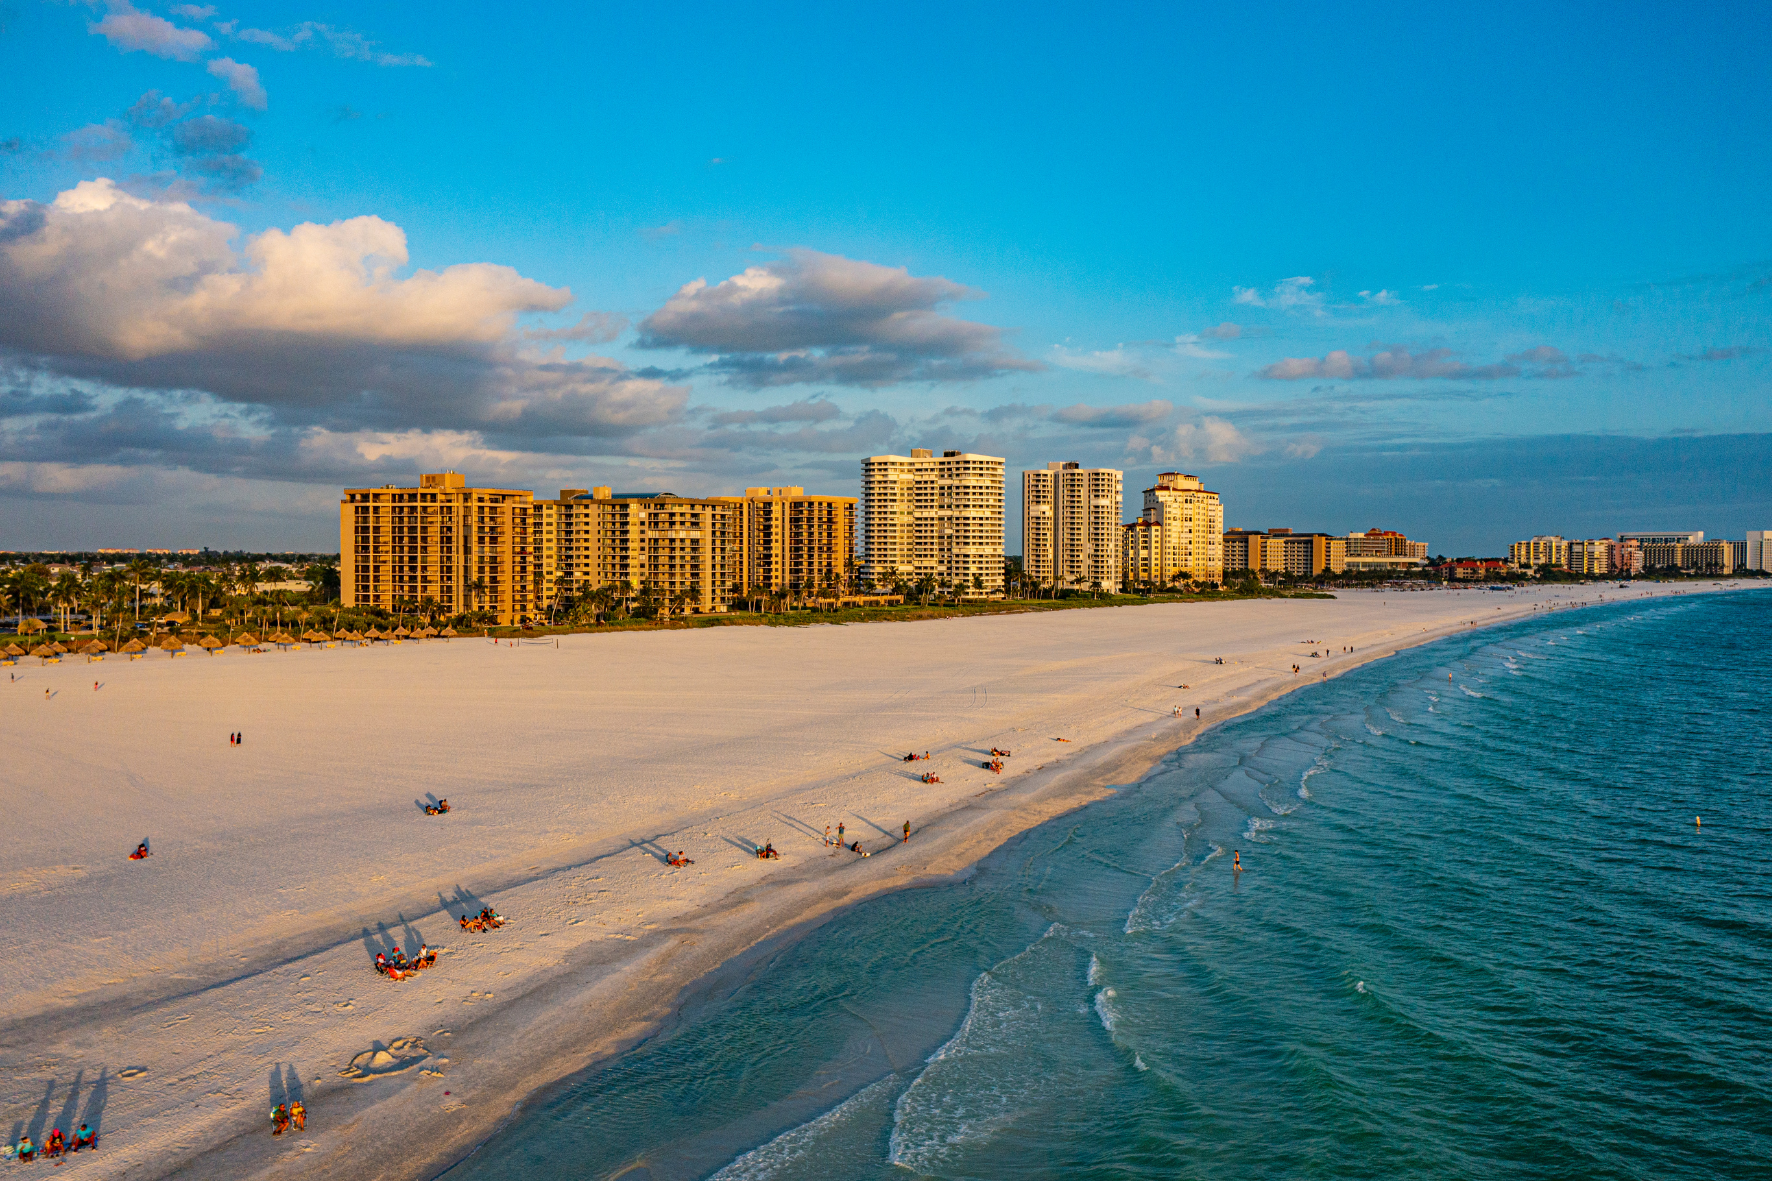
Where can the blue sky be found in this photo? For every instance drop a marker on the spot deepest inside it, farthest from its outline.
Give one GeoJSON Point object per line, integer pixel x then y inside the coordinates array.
{"type": "Point", "coordinates": [1469, 275]}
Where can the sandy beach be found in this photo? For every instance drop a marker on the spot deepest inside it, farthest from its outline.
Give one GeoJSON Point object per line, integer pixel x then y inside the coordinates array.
{"type": "Point", "coordinates": [170, 1002]}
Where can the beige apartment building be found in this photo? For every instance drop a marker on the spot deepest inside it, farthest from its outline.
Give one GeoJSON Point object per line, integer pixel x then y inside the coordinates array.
{"type": "Point", "coordinates": [1544, 550]}
{"type": "Point", "coordinates": [1070, 526]}
{"type": "Point", "coordinates": [500, 550]}
{"type": "Point", "coordinates": [796, 542]}
{"type": "Point", "coordinates": [1593, 556]}
{"type": "Point", "coordinates": [933, 516]}
{"type": "Point", "coordinates": [459, 548]}
{"type": "Point", "coordinates": [1179, 535]}
{"type": "Point", "coordinates": [1281, 551]}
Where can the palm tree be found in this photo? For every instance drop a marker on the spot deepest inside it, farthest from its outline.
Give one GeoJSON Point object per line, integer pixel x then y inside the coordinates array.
{"type": "Point", "coordinates": [475, 590]}
{"type": "Point", "coordinates": [139, 571]}
{"type": "Point", "coordinates": [65, 594]}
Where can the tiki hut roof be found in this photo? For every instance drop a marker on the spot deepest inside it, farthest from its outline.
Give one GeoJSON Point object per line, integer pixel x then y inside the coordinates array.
{"type": "Point", "coordinates": [282, 638]}
{"type": "Point", "coordinates": [172, 644]}
{"type": "Point", "coordinates": [211, 643]}
{"type": "Point", "coordinates": [44, 650]}
{"type": "Point", "coordinates": [133, 647]}
{"type": "Point", "coordinates": [246, 639]}
{"type": "Point", "coordinates": [375, 633]}
{"type": "Point", "coordinates": [175, 617]}
{"type": "Point", "coordinates": [30, 626]}
{"type": "Point", "coordinates": [402, 632]}
{"type": "Point", "coordinates": [353, 636]}
{"type": "Point", "coordinates": [428, 631]}
{"type": "Point", "coordinates": [448, 631]}
{"type": "Point", "coordinates": [95, 647]}
{"type": "Point", "coordinates": [13, 650]}
{"type": "Point", "coordinates": [314, 637]}
{"type": "Point", "coordinates": [59, 648]}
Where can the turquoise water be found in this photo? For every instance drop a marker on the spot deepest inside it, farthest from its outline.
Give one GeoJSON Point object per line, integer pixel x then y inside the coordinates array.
{"type": "Point", "coordinates": [1478, 935]}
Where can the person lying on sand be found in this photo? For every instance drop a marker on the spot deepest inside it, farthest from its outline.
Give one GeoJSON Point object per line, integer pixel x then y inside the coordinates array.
{"type": "Point", "coordinates": [141, 851]}
{"type": "Point", "coordinates": [677, 860]}
{"type": "Point", "coordinates": [999, 754]}
{"type": "Point", "coordinates": [767, 852]}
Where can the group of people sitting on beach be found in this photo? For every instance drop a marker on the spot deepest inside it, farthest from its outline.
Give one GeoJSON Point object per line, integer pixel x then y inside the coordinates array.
{"type": "Point", "coordinates": [487, 920]}
{"type": "Point", "coordinates": [399, 967]}
{"type": "Point", "coordinates": [437, 809]}
{"type": "Point", "coordinates": [56, 1146]}
{"type": "Point", "coordinates": [931, 777]}
{"type": "Point", "coordinates": [677, 860]}
{"type": "Point", "coordinates": [285, 1116]}
{"type": "Point", "coordinates": [914, 757]}
{"type": "Point", "coordinates": [766, 852]}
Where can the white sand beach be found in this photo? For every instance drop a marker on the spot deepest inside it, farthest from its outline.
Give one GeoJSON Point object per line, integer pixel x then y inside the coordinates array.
{"type": "Point", "coordinates": [171, 1001]}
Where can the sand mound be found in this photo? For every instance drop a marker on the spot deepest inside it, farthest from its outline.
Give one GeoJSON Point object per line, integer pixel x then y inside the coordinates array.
{"type": "Point", "coordinates": [380, 1060]}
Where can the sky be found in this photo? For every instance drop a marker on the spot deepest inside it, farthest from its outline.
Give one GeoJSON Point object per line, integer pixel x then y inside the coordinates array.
{"type": "Point", "coordinates": [1471, 275]}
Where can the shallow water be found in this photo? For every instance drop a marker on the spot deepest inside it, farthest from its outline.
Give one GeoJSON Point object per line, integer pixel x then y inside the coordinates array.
{"type": "Point", "coordinates": [1478, 934]}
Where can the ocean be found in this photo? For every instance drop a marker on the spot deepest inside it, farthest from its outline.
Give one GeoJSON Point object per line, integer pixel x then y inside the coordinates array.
{"type": "Point", "coordinates": [1479, 932]}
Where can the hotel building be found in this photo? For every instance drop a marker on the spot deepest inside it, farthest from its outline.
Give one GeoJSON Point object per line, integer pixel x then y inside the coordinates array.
{"type": "Point", "coordinates": [796, 542]}
{"type": "Point", "coordinates": [1758, 551]}
{"type": "Point", "coordinates": [1070, 526]}
{"type": "Point", "coordinates": [1596, 556]}
{"type": "Point", "coordinates": [1543, 550]}
{"type": "Point", "coordinates": [1384, 550]}
{"type": "Point", "coordinates": [1179, 535]}
{"type": "Point", "coordinates": [465, 549]}
{"type": "Point", "coordinates": [941, 517]}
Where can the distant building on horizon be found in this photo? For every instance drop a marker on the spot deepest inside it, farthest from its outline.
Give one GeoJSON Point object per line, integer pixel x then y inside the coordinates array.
{"type": "Point", "coordinates": [1281, 551]}
{"type": "Point", "coordinates": [930, 516]}
{"type": "Point", "coordinates": [1547, 549]}
{"type": "Point", "coordinates": [1379, 550]}
{"type": "Point", "coordinates": [1070, 526]}
{"type": "Point", "coordinates": [1757, 550]}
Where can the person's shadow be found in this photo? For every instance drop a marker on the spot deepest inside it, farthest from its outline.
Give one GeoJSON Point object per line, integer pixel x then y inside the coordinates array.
{"type": "Point", "coordinates": [279, 1094]}
{"type": "Point", "coordinates": [95, 1102]}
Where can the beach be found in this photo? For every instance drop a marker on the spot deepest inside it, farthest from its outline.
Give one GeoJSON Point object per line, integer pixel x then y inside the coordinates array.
{"type": "Point", "coordinates": [172, 1001]}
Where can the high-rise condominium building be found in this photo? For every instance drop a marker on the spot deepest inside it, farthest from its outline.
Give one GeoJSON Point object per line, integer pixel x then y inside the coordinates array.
{"type": "Point", "coordinates": [1596, 556]}
{"type": "Point", "coordinates": [1544, 550]}
{"type": "Point", "coordinates": [796, 542]}
{"type": "Point", "coordinates": [1178, 537]}
{"type": "Point", "coordinates": [1070, 526]}
{"type": "Point", "coordinates": [933, 516]}
{"type": "Point", "coordinates": [1759, 550]}
{"type": "Point", "coordinates": [460, 548]}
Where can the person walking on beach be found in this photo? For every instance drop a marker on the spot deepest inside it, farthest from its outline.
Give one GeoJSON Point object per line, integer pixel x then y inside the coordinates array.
{"type": "Point", "coordinates": [907, 832]}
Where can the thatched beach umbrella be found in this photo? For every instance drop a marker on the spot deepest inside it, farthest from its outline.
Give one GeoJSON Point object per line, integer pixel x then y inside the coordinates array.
{"type": "Point", "coordinates": [375, 633]}
{"type": "Point", "coordinates": [43, 650]}
{"type": "Point", "coordinates": [401, 633]}
{"type": "Point", "coordinates": [210, 643]}
{"type": "Point", "coordinates": [175, 617]}
{"type": "Point", "coordinates": [30, 627]}
{"type": "Point", "coordinates": [283, 639]}
{"type": "Point", "coordinates": [429, 632]}
{"type": "Point", "coordinates": [246, 640]}
{"type": "Point", "coordinates": [133, 647]}
{"type": "Point", "coordinates": [314, 637]}
{"type": "Point", "coordinates": [13, 650]}
{"type": "Point", "coordinates": [351, 634]}
{"type": "Point", "coordinates": [172, 644]}
{"type": "Point", "coordinates": [448, 632]}
{"type": "Point", "coordinates": [95, 648]}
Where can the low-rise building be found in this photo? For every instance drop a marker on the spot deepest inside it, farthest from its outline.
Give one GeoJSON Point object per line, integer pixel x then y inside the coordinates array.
{"type": "Point", "coordinates": [1381, 550]}
{"type": "Point", "coordinates": [1478, 568]}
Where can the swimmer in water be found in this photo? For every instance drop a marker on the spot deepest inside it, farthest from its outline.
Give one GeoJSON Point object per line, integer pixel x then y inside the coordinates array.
{"type": "Point", "coordinates": [1236, 862]}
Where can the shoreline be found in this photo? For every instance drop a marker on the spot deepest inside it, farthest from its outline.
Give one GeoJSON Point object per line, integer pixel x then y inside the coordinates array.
{"type": "Point", "coordinates": [603, 998]}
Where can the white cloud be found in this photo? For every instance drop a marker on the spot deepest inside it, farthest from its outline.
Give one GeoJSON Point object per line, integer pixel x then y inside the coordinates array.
{"type": "Point", "coordinates": [130, 30]}
{"type": "Point", "coordinates": [313, 325]}
{"type": "Point", "coordinates": [1211, 439]}
{"type": "Point", "coordinates": [1189, 345]}
{"type": "Point", "coordinates": [816, 317]}
{"type": "Point", "coordinates": [1138, 414]}
{"type": "Point", "coordinates": [1292, 294]}
{"type": "Point", "coordinates": [1118, 361]}
{"type": "Point", "coordinates": [1380, 298]}
{"type": "Point", "coordinates": [242, 79]}
{"type": "Point", "coordinates": [342, 42]}
{"type": "Point", "coordinates": [1395, 361]}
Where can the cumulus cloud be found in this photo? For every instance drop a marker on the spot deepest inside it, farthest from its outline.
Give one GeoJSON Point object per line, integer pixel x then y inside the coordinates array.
{"type": "Point", "coordinates": [1213, 440]}
{"type": "Point", "coordinates": [131, 30]}
{"type": "Point", "coordinates": [1292, 294]}
{"type": "Point", "coordinates": [815, 317]}
{"type": "Point", "coordinates": [1381, 298]}
{"type": "Point", "coordinates": [1140, 414]}
{"type": "Point", "coordinates": [242, 79]}
{"type": "Point", "coordinates": [342, 42]}
{"type": "Point", "coordinates": [1119, 361]}
{"type": "Point", "coordinates": [311, 327]}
